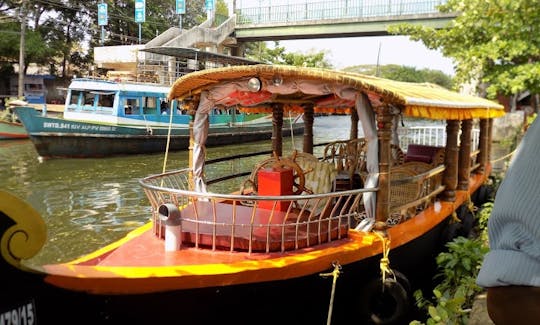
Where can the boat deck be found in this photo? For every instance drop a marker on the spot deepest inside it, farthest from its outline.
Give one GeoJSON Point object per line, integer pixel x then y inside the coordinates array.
{"type": "Point", "coordinates": [144, 248]}
{"type": "Point", "coordinates": [139, 262]}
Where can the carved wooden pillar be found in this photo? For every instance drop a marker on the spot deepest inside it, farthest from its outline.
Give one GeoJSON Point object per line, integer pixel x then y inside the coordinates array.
{"type": "Point", "coordinates": [308, 129]}
{"type": "Point", "coordinates": [464, 166]}
{"type": "Point", "coordinates": [451, 161]}
{"type": "Point", "coordinates": [277, 127]}
{"type": "Point", "coordinates": [483, 143]}
{"type": "Point", "coordinates": [354, 123]}
{"type": "Point", "coordinates": [384, 134]}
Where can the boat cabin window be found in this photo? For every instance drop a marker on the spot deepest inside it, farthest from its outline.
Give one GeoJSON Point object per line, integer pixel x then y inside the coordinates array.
{"type": "Point", "coordinates": [150, 105]}
{"type": "Point", "coordinates": [106, 100]}
{"type": "Point", "coordinates": [89, 99]}
{"type": "Point", "coordinates": [164, 108]}
{"type": "Point", "coordinates": [74, 98]}
{"type": "Point", "coordinates": [131, 106]}
{"type": "Point", "coordinates": [95, 101]}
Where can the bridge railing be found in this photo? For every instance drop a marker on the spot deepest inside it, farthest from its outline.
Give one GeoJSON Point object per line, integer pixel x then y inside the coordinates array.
{"type": "Point", "coordinates": [337, 9]}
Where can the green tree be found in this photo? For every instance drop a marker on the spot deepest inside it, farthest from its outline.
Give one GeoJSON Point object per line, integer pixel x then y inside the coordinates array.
{"type": "Point", "coordinates": [66, 31]}
{"type": "Point", "coordinates": [57, 28]}
{"type": "Point", "coordinates": [496, 42]}
{"type": "Point", "coordinates": [221, 8]}
{"type": "Point", "coordinates": [404, 73]}
{"type": "Point", "coordinates": [259, 51]}
{"type": "Point", "coordinates": [37, 49]}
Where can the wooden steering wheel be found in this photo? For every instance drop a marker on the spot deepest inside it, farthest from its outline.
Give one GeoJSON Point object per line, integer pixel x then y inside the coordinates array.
{"type": "Point", "coordinates": [299, 178]}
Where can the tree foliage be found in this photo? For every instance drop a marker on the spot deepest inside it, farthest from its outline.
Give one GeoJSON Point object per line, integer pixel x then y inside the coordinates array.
{"type": "Point", "coordinates": [404, 73]}
{"type": "Point", "coordinates": [496, 42]}
{"type": "Point", "coordinates": [61, 34]}
{"type": "Point", "coordinates": [259, 51]}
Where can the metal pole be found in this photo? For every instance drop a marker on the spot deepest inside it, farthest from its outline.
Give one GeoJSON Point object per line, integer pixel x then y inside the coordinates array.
{"type": "Point", "coordinates": [180, 21]}
{"type": "Point", "coordinates": [139, 33]}
{"type": "Point", "coordinates": [102, 34]}
{"type": "Point", "coordinates": [22, 13]}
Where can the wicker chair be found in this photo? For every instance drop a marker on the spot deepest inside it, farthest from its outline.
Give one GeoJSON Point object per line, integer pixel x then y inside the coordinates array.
{"type": "Point", "coordinates": [349, 158]}
{"type": "Point", "coordinates": [403, 193]}
{"type": "Point", "coordinates": [398, 157]}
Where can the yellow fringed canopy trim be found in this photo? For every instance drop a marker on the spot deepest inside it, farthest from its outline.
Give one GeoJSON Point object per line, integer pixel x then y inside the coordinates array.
{"type": "Point", "coordinates": [439, 113]}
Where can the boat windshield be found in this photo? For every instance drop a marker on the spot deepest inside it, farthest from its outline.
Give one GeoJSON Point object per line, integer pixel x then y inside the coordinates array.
{"type": "Point", "coordinates": [89, 100]}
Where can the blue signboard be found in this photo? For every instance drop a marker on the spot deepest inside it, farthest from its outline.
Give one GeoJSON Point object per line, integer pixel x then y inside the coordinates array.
{"type": "Point", "coordinates": [140, 11]}
{"type": "Point", "coordinates": [102, 14]}
{"type": "Point", "coordinates": [180, 7]}
{"type": "Point", "coordinates": [209, 4]}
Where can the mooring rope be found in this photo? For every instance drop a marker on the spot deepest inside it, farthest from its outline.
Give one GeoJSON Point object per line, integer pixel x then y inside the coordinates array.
{"type": "Point", "coordinates": [168, 143]}
{"type": "Point", "coordinates": [335, 275]}
{"type": "Point", "coordinates": [470, 204]}
{"type": "Point", "coordinates": [454, 213]}
{"type": "Point", "coordinates": [384, 263]}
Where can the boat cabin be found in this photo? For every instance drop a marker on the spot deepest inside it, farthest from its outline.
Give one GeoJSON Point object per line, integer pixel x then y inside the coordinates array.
{"type": "Point", "coordinates": [117, 99]}
{"type": "Point", "coordinates": [296, 200]}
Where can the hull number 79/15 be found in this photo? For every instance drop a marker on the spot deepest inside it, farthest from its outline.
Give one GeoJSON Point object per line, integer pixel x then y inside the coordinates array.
{"type": "Point", "coordinates": [20, 315]}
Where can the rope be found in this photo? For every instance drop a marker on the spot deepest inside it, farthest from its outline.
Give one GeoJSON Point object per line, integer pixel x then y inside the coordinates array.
{"type": "Point", "coordinates": [384, 264]}
{"type": "Point", "coordinates": [454, 214]}
{"type": "Point", "coordinates": [335, 275]}
{"type": "Point", "coordinates": [470, 204]}
{"type": "Point", "coordinates": [168, 142]}
{"type": "Point", "coordinates": [291, 128]}
{"type": "Point", "coordinates": [503, 157]}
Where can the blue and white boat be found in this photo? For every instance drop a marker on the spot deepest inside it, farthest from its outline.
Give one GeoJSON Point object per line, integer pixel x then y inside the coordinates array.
{"type": "Point", "coordinates": [105, 118]}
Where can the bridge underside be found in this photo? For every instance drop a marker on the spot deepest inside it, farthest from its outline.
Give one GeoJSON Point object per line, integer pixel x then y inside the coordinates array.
{"type": "Point", "coordinates": [332, 28]}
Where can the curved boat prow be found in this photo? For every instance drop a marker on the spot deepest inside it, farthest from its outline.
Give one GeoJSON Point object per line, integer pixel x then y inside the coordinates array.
{"type": "Point", "coordinates": [22, 235]}
{"type": "Point", "coordinates": [23, 232]}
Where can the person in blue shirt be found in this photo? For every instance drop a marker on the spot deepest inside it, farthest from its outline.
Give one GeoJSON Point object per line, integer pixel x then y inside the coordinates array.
{"type": "Point", "coordinates": [511, 269]}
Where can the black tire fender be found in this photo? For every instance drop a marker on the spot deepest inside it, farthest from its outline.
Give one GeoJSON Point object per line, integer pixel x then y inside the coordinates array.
{"type": "Point", "coordinates": [405, 283]}
{"type": "Point", "coordinates": [385, 303]}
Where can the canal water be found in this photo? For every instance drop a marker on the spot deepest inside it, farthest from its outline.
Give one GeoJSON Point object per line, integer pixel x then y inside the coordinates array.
{"type": "Point", "coordinates": [87, 203]}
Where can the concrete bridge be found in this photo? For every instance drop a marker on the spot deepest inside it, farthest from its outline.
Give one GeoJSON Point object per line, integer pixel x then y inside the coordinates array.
{"type": "Point", "coordinates": [335, 18]}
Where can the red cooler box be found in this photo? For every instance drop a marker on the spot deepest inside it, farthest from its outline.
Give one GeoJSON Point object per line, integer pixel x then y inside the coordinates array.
{"type": "Point", "coordinates": [275, 181]}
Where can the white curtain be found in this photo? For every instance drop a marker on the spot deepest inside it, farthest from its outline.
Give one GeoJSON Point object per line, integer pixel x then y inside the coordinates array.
{"type": "Point", "coordinates": [367, 118]}
{"type": "Point", "coordinates": [200, 134]}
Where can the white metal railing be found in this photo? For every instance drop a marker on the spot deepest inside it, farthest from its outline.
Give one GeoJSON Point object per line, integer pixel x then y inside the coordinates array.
{"type": "Point", "coordinates": [252, 222]}
{"type": "Point", "coordinates": [296, 11]}
{"type": "Point", "coordinates": [430, 136]}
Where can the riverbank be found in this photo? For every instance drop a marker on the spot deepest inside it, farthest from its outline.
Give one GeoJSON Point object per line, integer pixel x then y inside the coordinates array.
{"type": "Point", "coordinates": [479, 314]}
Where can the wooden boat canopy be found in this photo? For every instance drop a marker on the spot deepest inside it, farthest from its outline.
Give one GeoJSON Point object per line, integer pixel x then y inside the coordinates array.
{"type": "Point", "coordinates": [337, 89]}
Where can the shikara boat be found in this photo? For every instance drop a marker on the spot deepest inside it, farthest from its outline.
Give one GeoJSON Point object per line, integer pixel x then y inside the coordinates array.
{"type": "Point", "coordinates": [10, 128]}
{"type": "Point", "coordinates": [104, 118]}
{"type": "Point", "coordinates": [338, 235]}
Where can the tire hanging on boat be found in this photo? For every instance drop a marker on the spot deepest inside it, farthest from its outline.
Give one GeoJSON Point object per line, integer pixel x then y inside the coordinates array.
{"type": "Point", "coordinates": [482, 195]}
{"type": "Point", "coordinates": [467, 221]}
{"type": "Point", "coordinates": [386, 303]}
